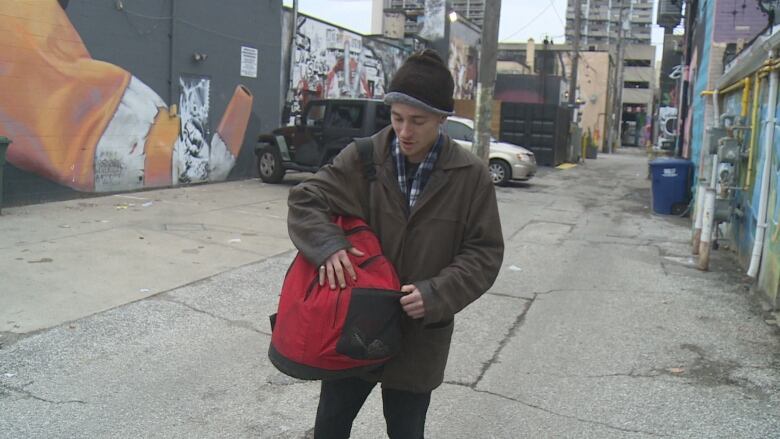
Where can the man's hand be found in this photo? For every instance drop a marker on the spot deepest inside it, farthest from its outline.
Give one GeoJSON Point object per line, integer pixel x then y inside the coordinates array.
{"type": "Point", "coordinates": [412, 302]}
{"type": "Point", "coordinates": [337, 267]}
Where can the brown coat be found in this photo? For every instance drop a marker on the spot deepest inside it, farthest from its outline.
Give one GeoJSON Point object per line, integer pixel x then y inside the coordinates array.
{"type": "Point", "coordinates": [450, 245]}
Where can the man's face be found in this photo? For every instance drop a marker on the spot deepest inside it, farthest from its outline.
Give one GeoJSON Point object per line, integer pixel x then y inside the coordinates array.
{"type": "Point", "coordinates": [416, 130]}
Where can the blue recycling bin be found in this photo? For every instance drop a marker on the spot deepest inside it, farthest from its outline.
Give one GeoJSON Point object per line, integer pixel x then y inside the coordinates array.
{"type": "Point", "coordinates": [670, 184]}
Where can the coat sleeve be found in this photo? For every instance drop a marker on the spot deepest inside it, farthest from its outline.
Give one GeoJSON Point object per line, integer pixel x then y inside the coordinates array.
{"type": "Point", "coordinates": [336, 189]}
{"type": "Point", "coordinates": [475, 268]}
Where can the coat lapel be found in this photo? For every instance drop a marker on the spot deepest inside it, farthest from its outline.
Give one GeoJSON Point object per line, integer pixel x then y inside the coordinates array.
{"type": "Point", "coordinates": [451, 157]}
{"type": "Point", "coordinates": [389, 181]}
{"type": "Point", "coordinates": [437, 181]}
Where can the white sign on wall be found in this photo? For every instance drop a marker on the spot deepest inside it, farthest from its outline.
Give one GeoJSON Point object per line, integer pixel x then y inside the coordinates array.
{"type": "Point", "coordinates": [249, 62]}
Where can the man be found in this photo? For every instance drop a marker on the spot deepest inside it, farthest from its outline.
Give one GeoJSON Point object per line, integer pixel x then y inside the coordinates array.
{"type": "Point", "coordinates": [434, 209]}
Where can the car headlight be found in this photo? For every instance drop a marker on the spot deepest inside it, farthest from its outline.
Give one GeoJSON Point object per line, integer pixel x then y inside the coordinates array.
{"type": "Point", "coordinates": [525, 156]}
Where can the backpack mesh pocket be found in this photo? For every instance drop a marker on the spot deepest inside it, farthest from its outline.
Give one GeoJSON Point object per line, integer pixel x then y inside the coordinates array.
{"type": "Point", "coordinates": [372, 327]}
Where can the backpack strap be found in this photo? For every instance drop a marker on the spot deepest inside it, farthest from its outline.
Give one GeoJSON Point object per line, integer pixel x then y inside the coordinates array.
{"type": "Point", "coordinates": [365, 146]}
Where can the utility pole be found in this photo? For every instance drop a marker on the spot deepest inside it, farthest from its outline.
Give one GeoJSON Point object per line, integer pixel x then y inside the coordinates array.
{"type": "Point", "coordinates": [576, 56]}
{"type": "Point", "coordinates": [617, 103]}
{"type": "Point", "coordinates": [487, 78]}
{"type": "Point", "coordinates": [573, 81]}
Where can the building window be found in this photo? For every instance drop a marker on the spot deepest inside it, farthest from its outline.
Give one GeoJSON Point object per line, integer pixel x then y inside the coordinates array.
{"type": "Point", "coordinates": [636, 84]}
{"type": "Point", "coordinates": [637, 63]}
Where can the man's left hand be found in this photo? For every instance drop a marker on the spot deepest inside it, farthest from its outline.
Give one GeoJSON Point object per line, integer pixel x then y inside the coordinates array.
{"type": "Point", "coordinates": [412, 302]}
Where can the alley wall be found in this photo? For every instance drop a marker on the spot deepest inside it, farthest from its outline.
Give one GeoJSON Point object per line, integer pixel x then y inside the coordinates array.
{"type": "Point", "coordinates": [110, 96]}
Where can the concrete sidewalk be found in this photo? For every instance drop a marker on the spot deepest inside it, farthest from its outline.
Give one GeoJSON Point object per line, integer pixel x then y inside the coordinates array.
{"type": "Point", "coordinates": [597, 327]}
{"type": "Point", "coordinates": [65, 260]}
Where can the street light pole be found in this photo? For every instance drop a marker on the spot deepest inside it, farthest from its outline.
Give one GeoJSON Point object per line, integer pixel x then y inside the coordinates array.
{"type": "Point", "coordinates": [487, 78]}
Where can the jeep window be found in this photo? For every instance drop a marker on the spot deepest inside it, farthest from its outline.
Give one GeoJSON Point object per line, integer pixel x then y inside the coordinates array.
{"type": "Point", "coordinates": [345, 115]}
{"type": "Point", "coordinates": [382, 118]}
{"type": "Point", "coordinates": [316, 115]}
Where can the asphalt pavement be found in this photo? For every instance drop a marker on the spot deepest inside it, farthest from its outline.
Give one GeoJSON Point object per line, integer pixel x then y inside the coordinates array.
{"type": "Point", "coordinates": [146, 315]}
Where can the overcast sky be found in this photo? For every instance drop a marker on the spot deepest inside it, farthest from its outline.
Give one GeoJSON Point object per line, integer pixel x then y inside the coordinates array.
{"type": "Point", "coordinates": [520, 19]}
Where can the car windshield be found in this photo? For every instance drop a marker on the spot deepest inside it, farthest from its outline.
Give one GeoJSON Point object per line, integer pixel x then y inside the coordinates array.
{"type": "Point", "coordinates": [461, 131]}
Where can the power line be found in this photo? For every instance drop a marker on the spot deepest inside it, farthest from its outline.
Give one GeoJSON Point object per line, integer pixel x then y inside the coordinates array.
{"type": "Point", "coordinates": [557, 14]}
{"type": "Point", "coordinates": [530, 22]}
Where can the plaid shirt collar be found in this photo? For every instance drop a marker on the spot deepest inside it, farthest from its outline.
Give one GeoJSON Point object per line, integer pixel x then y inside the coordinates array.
{"type": "Point", "coordinates": [423, 174]}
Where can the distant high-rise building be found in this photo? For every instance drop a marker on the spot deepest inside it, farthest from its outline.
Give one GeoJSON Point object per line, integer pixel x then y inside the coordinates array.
{"type": "Point", "coordinates": [472, 10]}
{"type": "Point", "coordinates": [600, 21]}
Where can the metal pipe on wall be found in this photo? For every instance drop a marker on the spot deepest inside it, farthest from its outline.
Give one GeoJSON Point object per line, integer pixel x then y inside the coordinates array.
{"type": "Point", "coordinates": [753, 129]}
{"type": "Point", "coordinates": [700, 222]}
{"type": "Point", "coordinates": [698, 215]}
{"type": "Point", "coordinates": [716, 107]}
{"type": "Point", "coordinates": [708, 222]}
{"type": "Point", "coordinates": [761, 221]}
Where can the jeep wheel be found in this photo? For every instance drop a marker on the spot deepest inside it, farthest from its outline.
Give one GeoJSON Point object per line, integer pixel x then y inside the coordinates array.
{"type": "Point", "coordinates": [269, 165]}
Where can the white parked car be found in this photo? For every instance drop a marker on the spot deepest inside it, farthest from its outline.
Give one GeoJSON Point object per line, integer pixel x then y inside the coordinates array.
{"type": "Point", "coordinates": [507, 161]}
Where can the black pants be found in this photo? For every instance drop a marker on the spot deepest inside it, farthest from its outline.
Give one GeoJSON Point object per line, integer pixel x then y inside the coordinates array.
{"type": "Point", "coordinates": [341, 400]}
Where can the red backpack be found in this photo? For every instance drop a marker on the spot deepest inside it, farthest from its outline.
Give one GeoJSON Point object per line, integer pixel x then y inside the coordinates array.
{"type": "Point", "coordinates": [319, 333]}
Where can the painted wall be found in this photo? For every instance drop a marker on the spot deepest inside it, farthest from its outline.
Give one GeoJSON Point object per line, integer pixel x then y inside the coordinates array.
{"type": "Point", "coordinates": [332, 62]}
{"type": "Point", "coordinates": [718, 23]}
{"type": "Point", "coordinates": [769, 272]}
{"type": "Point", "coordinates": [152, 93]}
{"type": "Point", "coordinates": [671, 70]}
{"type": "Point", "coordinates": [593, 89]}
{"type": "Point", "coordinates": [700, 80]}
{"type": "Point", "coordinates": [464, 59]}
{"type": "Point", "coordinates": [743, 230]}
{"type": "Point", "coordinates": [593, 80]}
{"type": "Point", "coordinates": [718, 26]}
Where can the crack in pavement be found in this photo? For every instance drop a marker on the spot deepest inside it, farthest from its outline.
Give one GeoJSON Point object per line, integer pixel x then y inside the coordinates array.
{"type": "Point", "coordinates": [632, 374]}
{"type": "Point", "coordinates": [509, 335]}
{"type": "Point", "coordinates": [546, 410]}
{"type": "Point", "coordinates": [645, 243]}
{"type": "Point", "coordinates": [234, 323]}
{"type": "Point", "coordinates": [661, 260]}
{"type": "Point", "coordinates": [577, 290]}
{"type": "Point", "coordinates": [29, 395]}
{"type": "Point", "coordinates": [540, 221]}
{"type": "Point", "coordinates": [508, 296]}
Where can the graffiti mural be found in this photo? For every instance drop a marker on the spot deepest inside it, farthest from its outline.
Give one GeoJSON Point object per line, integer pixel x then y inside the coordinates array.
{"type": "Point", "coordinates": [464, 58]}
{"type": "Point", "coordinates": [463, 66]}
{"type": "Point", "coordinates": [191, 149]}
{"type": "Point", "coordinates": [330, 62]}
{"type": "Point", "coordinates": [433, 20]}
{"type": "Point", "coordinates": [95, 127]}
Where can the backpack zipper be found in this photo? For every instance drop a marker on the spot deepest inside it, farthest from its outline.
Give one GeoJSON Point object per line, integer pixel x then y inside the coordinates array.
{"type": "Point", "coordinates": [356, 230]}
{"type": "Point", "coordinates": [336, 312]}
{"type": "Point", "coordinates": [311, 287]}
{"type": "Point", "coordinates": [369, 260]}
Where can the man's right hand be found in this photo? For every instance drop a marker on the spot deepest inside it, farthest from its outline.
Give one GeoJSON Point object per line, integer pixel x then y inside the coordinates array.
{"type": "Point", "coordinates": [337, 267]}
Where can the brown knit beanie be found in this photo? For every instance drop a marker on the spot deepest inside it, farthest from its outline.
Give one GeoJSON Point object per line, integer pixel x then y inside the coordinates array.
{"type": "Point", "coordinates": [423, 81]}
